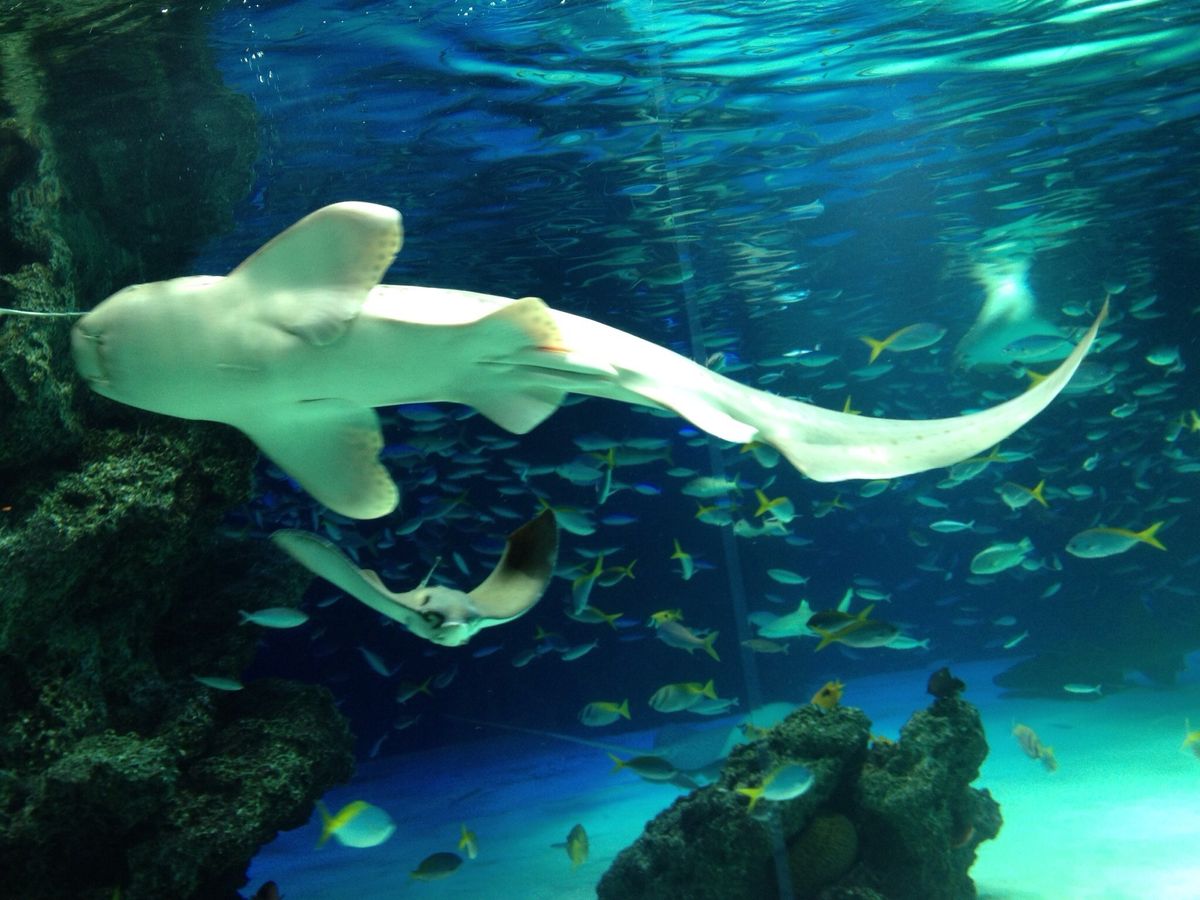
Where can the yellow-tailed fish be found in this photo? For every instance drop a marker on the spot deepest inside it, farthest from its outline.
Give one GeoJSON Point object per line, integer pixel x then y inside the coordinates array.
{"type": "Point", "coordinates": [603, 712]}
{"type": "Point", "coordinates": [911, 337]}
{"type": "Point", "coordinates": [665, 615]}
{"type": "Point", "coordinates": [577, 846]}
{"type": "Point", "coordinates": [786, 782]}
{"type": "Point", "coordinates": [681, 696]}
{"type": "Point", "coordinates": [357, 824]}
{"type": "Point", "coordinates": [829, 695]}
{"type": "Point", "coordinates": [676, 634]}
{"type": "Point", "coordinates": [687, 566]}
{"type": "Point", "coordinates": [1096, 543]}
{"type": "Point", "coordinates": [468, 842]}
{"type": "Point", "coordinates": [1191, 739]}
{"type": "Point", "coordinates": [649, 767]}
{"type": "Point", "coordinates": [1017, 496]}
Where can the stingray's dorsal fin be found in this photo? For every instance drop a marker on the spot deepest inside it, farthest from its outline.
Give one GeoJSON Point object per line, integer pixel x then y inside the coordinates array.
{"type": "Point", "coordinates": [313, 278]}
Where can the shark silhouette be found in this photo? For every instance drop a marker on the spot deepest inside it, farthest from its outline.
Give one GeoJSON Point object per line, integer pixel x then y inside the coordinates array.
{"type": "Point", "coordinates": [299, 344]}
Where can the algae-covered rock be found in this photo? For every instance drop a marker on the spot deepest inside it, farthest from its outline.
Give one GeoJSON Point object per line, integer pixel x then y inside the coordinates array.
{"type": "Point", "coordinates": [707, 845]}
{"type": "Point", "coordinates": [120, 150]}
{"type": "Point", "coordinates": [881, 820]}
{"type": "Point", "coordinates": [919, 818]}
{"type": "Point", "coordinates": [821, 853]}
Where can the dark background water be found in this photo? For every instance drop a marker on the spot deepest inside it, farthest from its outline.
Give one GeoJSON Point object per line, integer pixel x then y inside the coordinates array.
{"type": "Point", "coordinates": [657, 169]}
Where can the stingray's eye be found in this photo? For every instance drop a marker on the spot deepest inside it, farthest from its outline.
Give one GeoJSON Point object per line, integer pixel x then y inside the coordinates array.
{"type": "Point", "coordinates": [423, 597]}
{"type": "Point", "coordinates": [433, 617]}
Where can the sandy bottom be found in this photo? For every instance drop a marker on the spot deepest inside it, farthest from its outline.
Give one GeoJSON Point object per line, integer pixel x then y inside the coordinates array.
{"type": "Point", "coordinates": [1119, 820]}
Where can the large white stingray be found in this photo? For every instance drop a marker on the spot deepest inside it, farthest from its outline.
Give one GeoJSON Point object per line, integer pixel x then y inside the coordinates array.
{"type": "Point", "coordinates": [300, 342]}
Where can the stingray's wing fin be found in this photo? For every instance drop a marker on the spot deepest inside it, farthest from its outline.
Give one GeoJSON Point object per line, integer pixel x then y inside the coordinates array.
{"type": "Point", "coordinates": [326, 561]}
{"type": "Point", "coordinates": [523, 573]}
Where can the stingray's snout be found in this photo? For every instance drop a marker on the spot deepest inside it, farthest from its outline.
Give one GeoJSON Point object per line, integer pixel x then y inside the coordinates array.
{"type": "Point", "coordinates": [451, 634]}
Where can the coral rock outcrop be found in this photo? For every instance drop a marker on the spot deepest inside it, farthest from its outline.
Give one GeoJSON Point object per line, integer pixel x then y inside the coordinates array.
{"type": "Point", "coordinates": [896, 820]}
{"type": "Point", "coordinates": [120, 151]}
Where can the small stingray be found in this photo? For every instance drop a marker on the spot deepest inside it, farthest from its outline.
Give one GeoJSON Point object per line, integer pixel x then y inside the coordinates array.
{"type": "Point", "coordinates": [441, 614]}
{"type": "Point", "coordinates": [299, 344]}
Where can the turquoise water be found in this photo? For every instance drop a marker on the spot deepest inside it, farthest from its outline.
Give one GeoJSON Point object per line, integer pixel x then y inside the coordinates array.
{"type": "Point", "coordinates": [760, 187]}
{"type": "Point", "coordinates": [1115, 822]}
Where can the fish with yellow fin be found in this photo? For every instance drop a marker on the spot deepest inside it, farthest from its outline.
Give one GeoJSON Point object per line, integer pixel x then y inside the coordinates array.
{"type": "Point", "coordinates": [577, 846]}
{"type": "Point", "coordinates": [599, 713]}
{"type": "Point", "coordinates": [1191, 739]}
{"type": "Point", "coordinates": [1096, 543]}
{"type": "Point", "coordinates": [663, 616]}
{"type": "Point", "coordinates": [1034, 748]}
{"type": "Point", "coordinates": [680, 696]}
{"type": "Point", "coordinates": [357, 824]}
{"type": "Point", "coordinates": [687, 565]}
{"type": "Point", "coordinates": [859, 632]}
{"type": "Point", "coordinates": [752, 732]}
{"type": "Point", "coordinates": [829, 695]}
{"type": "Point", "coordinates": [676, 634]}
{"type": "Point", "coordinates": [468, 842]}
{"type": "Point", "coordinates": [785, 782]}
{"type": "Point", "coordinates": [649, 767]}
{"type": "Point", "coordinates": [917, 336]}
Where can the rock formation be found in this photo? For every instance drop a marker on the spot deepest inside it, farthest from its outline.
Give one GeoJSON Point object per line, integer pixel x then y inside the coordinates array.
{"type": "Point", "coordinates": [120, 150]}
{"type": "Point", "coordinates": [896, 820]}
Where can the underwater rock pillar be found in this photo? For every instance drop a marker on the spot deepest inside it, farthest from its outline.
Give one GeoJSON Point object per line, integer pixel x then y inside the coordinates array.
{"type": "Point", "coordinates": [882, 820]}
{"type": "Point", "coordinates": [120, 151]}
{"type": "Point", "coordinates": [919, 819]}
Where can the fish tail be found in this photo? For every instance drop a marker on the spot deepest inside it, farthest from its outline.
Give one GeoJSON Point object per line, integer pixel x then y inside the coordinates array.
{"type": "Point", "coordinates": [1037, 494]}
{"type": "Point", "coordinates": [763, 503]}
{"type": "Point", "coordinates": [620, 763]}
{"type": "Point", "coordinates": [876, 346]}
{"type": "Point", "coordinates": [709, 691]}
{"type": "Point", "coordinates": [708, 646]}
{"type": "Point", "coordinates": [623, 709]}
{"type": "Point", "coordinates": [1035, 378]}
{"type": "Point", "coordinates": [754, 794]}
{"type": "Point", "coordinates": [827, 638]}
{"type": "Point", "coordinates": [326, 824]}
{"type": "Point", "coordinates": [1147, 535]}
